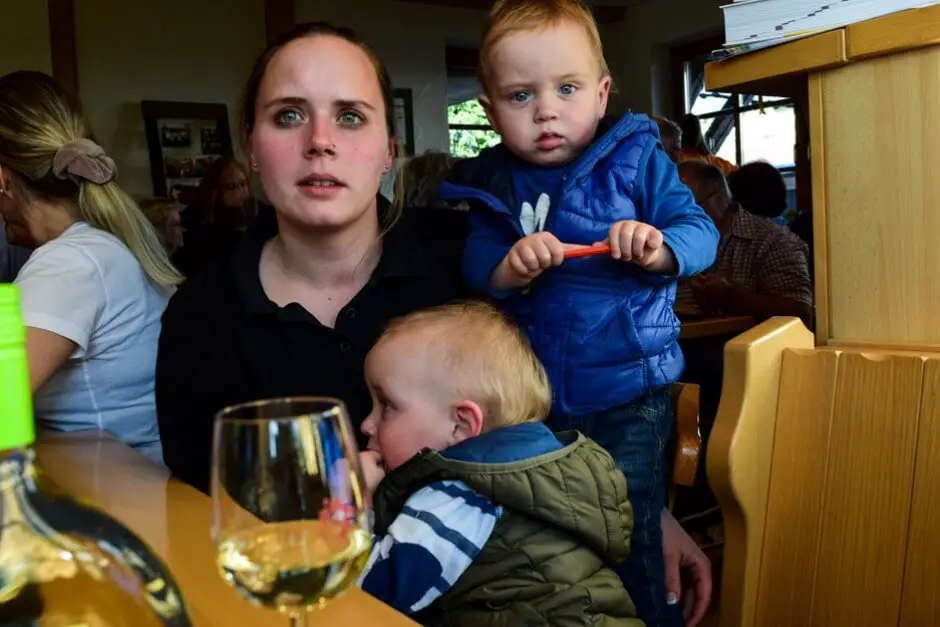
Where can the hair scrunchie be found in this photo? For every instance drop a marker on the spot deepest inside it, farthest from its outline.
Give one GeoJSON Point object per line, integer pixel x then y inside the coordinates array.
{"type": "Point", "coordinates": [83, 159]}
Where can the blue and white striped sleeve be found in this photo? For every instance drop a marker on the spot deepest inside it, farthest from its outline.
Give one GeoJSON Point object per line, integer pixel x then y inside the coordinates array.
{"type": "Point", "coordinates": [440, 531]}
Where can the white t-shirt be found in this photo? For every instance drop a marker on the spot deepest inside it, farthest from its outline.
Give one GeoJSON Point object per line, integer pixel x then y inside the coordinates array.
{"type": "Point", "coordinates": [86, 286]}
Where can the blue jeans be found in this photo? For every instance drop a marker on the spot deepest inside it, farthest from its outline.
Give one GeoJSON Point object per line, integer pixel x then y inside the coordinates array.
{"type": "Point", "coordinates": [635, 435]}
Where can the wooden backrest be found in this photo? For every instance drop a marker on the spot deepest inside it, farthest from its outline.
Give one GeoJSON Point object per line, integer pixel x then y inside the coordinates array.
{"type": "Point", "coordinates": [826, 464]}
{"type": "Point", "coordinates": [685, 440]}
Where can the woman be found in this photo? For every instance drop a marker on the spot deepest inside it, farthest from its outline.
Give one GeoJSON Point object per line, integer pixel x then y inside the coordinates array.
{"type": "Point", "coordinates": [695, 148]}
{"type": "Point", "coordinates": [94, 288]}
{"type": "Point", "coordinates": [164, 215]}
{"type": "Point", "coordinates": [216, 221]}
{"type": "Point", "coordinates": [670, 134]}
{"type": "Point", "coordinates": [312, 283]}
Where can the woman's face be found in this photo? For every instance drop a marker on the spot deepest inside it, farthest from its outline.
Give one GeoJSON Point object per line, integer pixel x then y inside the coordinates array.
{"type": "Point", "coordinates": [16, 225]}
{"type": "Point", "coordinates": [233, 186]}
{"type": "Point", "coordinates": [320, 140]}
{"type": "Point", "coordinates": [173, 231]}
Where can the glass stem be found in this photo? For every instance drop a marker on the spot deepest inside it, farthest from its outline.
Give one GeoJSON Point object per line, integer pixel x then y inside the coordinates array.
{"type": "Point", "coordinates": [297, 619]}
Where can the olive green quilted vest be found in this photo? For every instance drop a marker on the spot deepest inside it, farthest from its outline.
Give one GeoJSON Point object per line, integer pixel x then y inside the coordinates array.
{"type": "Point", "coordinates": [566, 520]}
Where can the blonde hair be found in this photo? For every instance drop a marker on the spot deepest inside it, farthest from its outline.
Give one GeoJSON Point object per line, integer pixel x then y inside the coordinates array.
{"type": "Point", "coordinates": [158, 210]}
{"type": "Point", "coordinates": [37, 118]}
{"type": "Point", "coordinates": [486, 356]}
{"type": "Point", "coordinates": [511, 16]}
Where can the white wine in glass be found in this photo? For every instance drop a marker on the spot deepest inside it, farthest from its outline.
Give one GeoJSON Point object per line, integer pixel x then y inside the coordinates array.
{"type": "Point", "coordinates": [289, 521]}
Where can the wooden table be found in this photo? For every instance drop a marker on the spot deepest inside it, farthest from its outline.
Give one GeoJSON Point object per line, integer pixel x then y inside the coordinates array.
{"type": "Point", "coordinates": [175, 520]}
{"type": "Point", "coordinates": [711, 327]}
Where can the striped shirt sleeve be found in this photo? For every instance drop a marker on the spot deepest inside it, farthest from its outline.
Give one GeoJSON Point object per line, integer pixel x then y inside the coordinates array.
{"type": "Point", "coordinates": [434, 539]}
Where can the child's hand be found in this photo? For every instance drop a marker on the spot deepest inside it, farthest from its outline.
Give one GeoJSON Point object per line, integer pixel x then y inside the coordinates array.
{"type": "Point", "coordinates": [527, 259]}
{"type": "Point", "coordinates": [641, 244]}
{"type": "Point", "coordinates": [373, 470]}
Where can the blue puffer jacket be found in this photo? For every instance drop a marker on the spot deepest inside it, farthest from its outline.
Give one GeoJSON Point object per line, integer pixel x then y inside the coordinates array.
{"type": "Point", "coordinates": [604, 329]}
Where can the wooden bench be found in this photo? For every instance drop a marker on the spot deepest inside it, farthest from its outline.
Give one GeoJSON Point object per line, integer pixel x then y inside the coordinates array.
{"type": "Point", "coordinates": [826, 464]}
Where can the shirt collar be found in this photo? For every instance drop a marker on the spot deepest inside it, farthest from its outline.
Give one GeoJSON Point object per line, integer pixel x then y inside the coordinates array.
{"type": "Point", "coordinates": [403, 257]}
{"type": "Point", "coordinates": [742, 225]}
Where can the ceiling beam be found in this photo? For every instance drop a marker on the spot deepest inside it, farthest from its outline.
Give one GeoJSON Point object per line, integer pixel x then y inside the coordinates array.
{"type": "Point", "coordinates": [62, 44]}
{"type": "Point", "coordinates": [481, 5]}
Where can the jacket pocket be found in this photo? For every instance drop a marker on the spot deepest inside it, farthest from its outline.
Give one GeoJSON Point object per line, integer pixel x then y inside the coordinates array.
{"type": "Point", "coordinates": [602, 348]}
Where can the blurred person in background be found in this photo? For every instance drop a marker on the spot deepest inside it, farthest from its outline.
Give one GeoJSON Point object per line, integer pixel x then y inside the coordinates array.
{"type": "Point", "coordinates": [164, 215]}
{"type": "Point", "coordinates": [695, 148]}
{"type": "Point", "coordinates": [215, 222]}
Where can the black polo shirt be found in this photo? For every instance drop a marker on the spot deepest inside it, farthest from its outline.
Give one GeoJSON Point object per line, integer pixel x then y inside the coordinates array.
{"type": "Point", "coordinates": [225, 342]}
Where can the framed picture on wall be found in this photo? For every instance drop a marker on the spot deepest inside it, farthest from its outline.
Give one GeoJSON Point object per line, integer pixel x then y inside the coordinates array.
{"type": "Point", "coordinates": [404, 120]}
{"type": "Point", "coordinates": [183, 139]}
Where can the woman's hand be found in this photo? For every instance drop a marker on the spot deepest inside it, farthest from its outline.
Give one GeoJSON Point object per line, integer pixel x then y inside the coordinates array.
{"type": "Point", "coordinates": [682, 555]}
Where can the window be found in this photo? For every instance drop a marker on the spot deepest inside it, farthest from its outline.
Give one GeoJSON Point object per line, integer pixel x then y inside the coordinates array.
{"type": "Point", "coordinates": [743, 128]}
{"type": "Point", "coordinates": [470, 131]}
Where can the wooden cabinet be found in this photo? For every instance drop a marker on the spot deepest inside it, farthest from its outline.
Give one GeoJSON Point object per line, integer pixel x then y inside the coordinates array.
{"type": "Point", "coordinates": [873, 92]}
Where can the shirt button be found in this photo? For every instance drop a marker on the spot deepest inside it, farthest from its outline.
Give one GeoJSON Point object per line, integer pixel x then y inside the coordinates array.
{"type": "Point", "coordinates": [344, 347]}
{"type": "Point", "coordinates": [351, 313]}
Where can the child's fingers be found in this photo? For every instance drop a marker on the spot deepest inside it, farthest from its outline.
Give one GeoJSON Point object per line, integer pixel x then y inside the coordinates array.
{"type": "Point", "coordinates": [621, 240]}
{"type": "Point", "coordinates": [517, 264]}
{"type": "Point", "coordinates": [614, 238]}
{"type": "Point", "coordinates": [557, 250]}
{"type": "Point", "coordinates": [530, 257]}
{"type": "Point", "coordinates": [638, 243]}
{"type": "Point", "coordinates": [544, 254]}
{"type": "Point", "coordinates": [655, 239]}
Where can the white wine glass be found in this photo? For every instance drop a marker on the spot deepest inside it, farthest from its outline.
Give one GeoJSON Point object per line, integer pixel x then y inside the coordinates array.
{"type": "Point", "coordinates": [289, 522]}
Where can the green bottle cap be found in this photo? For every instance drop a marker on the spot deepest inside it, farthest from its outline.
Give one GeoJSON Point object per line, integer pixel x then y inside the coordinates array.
{"type": "Point", "coordinates": [16, 401]}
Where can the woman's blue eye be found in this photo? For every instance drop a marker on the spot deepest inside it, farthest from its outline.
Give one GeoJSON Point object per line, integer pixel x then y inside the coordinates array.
{"type": "Point", "coordinates": [288, 117]}
{"type": "Point", "coordinates": [350, 118]}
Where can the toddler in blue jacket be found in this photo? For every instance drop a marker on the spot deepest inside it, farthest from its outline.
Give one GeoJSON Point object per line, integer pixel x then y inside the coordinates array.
{"type": "Point", "coordinates": [565, 177]}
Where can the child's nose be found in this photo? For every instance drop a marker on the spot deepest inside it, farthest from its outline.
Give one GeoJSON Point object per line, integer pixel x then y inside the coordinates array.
{"type": "Point", "coordinates": [368, 425]}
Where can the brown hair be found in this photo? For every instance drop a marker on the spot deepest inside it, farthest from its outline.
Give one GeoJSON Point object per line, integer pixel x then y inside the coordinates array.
{"type": "Point", "coordinates": [510, 16]}
{"type": "Point", "coordinates": [487, 358]}
{"type": "Point", "coordinates": [323, 29]}
{"type": "Point", "coordinates": [422, 175]}
{"type": "Point", "coordinates": [667, 128]}
{"type": "Point", "coordinates": [208, 194]}
{"type": "Point", "coordinates": [38, 118]}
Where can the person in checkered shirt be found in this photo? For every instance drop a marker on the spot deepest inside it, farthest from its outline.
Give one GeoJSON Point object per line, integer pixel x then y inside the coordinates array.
{"type": "Point", "coordinates": [761, 269]}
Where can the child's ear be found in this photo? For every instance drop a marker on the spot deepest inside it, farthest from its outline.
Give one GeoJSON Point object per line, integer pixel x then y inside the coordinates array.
{"type": "Point", "coordinates": [604, 96]}
{"type": "Point", "coordinates": [467, 417]}
{"type": "Point", "coordinates": [487, 105]}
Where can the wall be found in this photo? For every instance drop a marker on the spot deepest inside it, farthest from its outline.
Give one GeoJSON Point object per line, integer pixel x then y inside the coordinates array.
{"type": "Point", "coordinates": [410, 38]}
{"type": "Point", "coordinates": [637, 48]}
{"type": "Point", "coordinates": [24, 41]}
{"type": "Point", "coordinates": [197, 51]}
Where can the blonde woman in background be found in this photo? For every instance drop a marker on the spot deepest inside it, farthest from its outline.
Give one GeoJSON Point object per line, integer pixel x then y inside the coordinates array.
{"type": "Point", "coordinates": [99, 279]}
{"type": "Point", "coordinates": [164, 215]}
